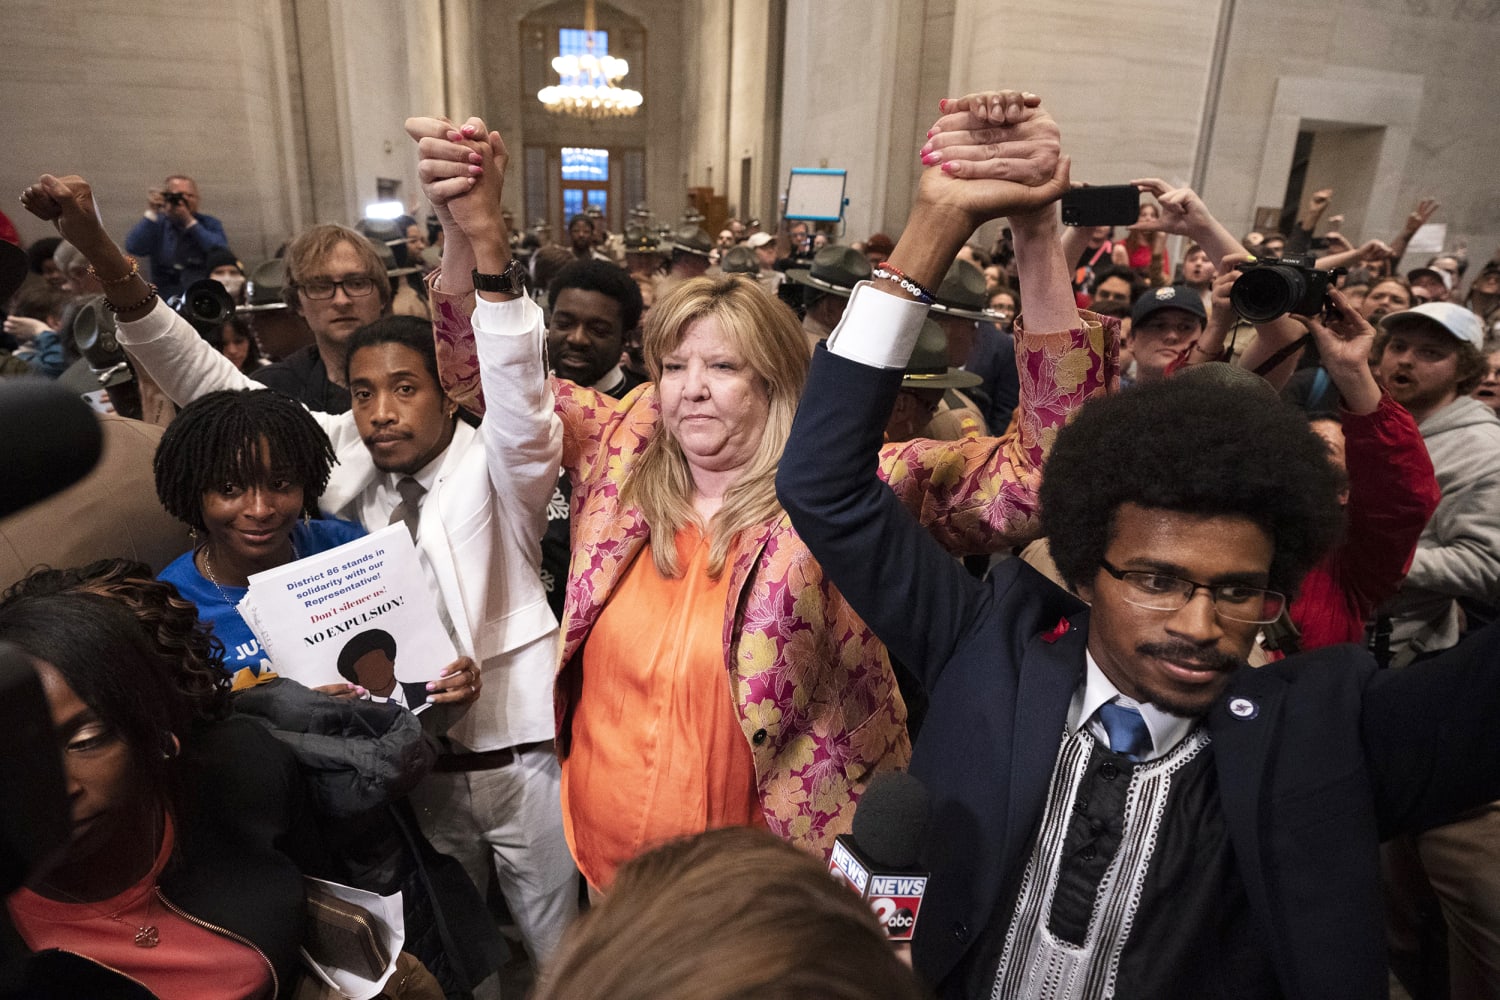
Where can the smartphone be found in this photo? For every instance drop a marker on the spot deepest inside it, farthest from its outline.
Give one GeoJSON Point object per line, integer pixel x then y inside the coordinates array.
{"type": "Point", "coordinates": [1105, 205]}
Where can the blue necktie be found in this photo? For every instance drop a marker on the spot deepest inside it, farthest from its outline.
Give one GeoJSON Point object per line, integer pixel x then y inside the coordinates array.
{"type": "Point", "coordinates": [1127, 730]}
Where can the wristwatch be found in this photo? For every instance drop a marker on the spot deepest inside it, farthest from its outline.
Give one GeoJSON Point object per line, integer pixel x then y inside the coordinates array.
{"type": "Point", "coordinates": [511, 281]}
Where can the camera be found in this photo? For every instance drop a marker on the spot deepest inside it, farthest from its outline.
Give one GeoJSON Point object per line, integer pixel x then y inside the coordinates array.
{"type": "Point", "coordinates": [94, 333]}
{"type": "Point", "coordinates": [1270, 288]}
{"type": "Point", "coordinates": [205, 304]}
{"type": "Point", "coordinates": [174, 198]}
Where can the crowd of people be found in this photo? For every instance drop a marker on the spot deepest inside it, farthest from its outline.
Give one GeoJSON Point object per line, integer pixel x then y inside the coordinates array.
{"type": "Point", "coordinates": [722, 528]}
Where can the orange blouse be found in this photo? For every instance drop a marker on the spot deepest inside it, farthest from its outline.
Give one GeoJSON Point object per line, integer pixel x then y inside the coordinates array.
{"type": "Point", "coordinates": [658, 751]}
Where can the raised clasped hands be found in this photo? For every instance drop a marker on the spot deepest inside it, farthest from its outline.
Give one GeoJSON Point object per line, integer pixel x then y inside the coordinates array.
{"type": "Point", "coordinates": [67, 203]}
{"type": "Point", "coordinates": [462, 172]}
{"type": "Point", "coordinates": [993, 154]}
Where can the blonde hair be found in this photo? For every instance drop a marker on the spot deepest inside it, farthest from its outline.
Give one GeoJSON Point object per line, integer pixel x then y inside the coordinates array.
{"type": "Point", "coordinates": [766, 334]}
{"type": "Point", "coordinates": [307, 251]}
{"type": "Point", "coordinates": [729, 914]}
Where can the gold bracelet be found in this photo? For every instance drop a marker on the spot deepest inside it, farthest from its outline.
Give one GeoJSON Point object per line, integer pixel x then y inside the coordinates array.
{"type": "Point", "coordinates": [135, 269]}
{"type": "Point", "coordinates": [150, 295]}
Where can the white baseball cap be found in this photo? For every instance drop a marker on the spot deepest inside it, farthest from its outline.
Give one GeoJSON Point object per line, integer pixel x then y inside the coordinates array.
{"type": "Point", "coordinates": [1455, 319]}
{"type": "Point", "coordinates": [759, 240]}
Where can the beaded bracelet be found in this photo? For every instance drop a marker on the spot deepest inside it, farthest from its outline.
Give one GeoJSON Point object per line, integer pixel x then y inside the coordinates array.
{"type": "Point", "coordinates": [135, 269]}
{"type": "Point", "coordinates": [150, 295]}
{"type": "Point", "coordinates": [912, 288]}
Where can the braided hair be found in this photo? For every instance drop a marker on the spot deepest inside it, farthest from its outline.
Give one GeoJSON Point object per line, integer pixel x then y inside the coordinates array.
{"type": "Point", "coordinates": [217, 439]}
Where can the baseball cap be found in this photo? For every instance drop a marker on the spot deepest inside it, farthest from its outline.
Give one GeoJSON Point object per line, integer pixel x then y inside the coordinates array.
{"type": "Point", "coordinates": [1430, 272]}
{"type": "Point", "coordinates": [759, 240]}
{"type": "Point", "coordinates": [1455, 320]}
{"type": "Point", "coordinates": [1168, 297]}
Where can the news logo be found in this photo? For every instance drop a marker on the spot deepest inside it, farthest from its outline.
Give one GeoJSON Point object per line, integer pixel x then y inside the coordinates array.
{"type": "Point", "coordinates": [848, 868]}
{"type": "Point", "coordinates": [896, 900]}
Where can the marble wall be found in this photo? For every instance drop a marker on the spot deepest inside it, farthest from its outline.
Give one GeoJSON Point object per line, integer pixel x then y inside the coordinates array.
{"type": "Point", "coordinates": [284, 111]}
{"type": "Point", "coordinates": [1421, 72]}
{"type": "Point", "coordinates": [288, 111]}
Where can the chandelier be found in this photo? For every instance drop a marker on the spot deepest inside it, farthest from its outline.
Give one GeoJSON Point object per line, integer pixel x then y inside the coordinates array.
{"type": "Point", "coordinates": [589, 82]}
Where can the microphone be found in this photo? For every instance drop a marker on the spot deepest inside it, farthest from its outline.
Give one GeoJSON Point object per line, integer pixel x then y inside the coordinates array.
{"type": "Point", "coordinates": [51, 440]}
{"type": "Point", "coordinates": [878, 857]}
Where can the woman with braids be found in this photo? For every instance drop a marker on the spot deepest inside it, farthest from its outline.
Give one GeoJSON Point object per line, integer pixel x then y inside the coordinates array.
{"type": "Point", "coordinates": [243, 470]}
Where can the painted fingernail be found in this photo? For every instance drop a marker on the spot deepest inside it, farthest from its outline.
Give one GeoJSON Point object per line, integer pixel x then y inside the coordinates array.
{"type": "Point", "coordinates": [930, 158]}
{"type": "Point", "coordinates": [431, 686]}
{"type": "Point", "coordinates": [475, 158]}
{"type": "Point", "coordinates": [454, 135]}
{"type": "Point", "coordinates": [468, 130]}
{"type": "Point", "coordinates": [926, 149]}
{"type": "Point", "coordinates": [475, 170]}
{"type": "Point", "coordinates": [932, 132]}
{"type": "Point", "coordinates": [943, 105]}
{"type": "Point", "coordinates": [949, 168]}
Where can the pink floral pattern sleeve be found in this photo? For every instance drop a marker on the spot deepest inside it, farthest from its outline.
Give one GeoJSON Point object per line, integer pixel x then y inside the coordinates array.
{"type": "Point", "coordinates": [453, 336]}
{"type": "Point", "coordinates": [980, 494]}
{"type": "Point", "coordinates": [817, 700]}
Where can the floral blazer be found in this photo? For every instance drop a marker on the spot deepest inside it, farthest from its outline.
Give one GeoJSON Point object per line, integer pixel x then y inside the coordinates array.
{"type": "Point", "coordinates": [816, 697]}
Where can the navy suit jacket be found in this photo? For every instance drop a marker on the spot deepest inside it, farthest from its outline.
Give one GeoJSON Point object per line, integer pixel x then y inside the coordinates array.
{"type": "Point", "coordinates": [1331, 755]}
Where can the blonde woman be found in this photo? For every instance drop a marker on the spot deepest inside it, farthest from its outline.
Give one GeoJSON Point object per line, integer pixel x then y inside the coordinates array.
{"type": "Point", "coordinates": [710, 675]}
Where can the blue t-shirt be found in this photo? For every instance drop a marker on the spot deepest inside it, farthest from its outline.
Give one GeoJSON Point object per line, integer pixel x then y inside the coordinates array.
{"type": "Point", "coordinates": [241, 648]}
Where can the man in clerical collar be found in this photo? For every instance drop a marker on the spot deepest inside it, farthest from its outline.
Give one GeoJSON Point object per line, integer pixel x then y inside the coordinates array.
{"type": "Point", "coordinates": [592, 304]}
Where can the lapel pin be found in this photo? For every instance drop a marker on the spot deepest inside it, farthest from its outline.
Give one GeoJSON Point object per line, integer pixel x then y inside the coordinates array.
{"type": "Point", "coordinates": [1243, 708]}
{"type": "Point", "coordinates": [1058, 631]}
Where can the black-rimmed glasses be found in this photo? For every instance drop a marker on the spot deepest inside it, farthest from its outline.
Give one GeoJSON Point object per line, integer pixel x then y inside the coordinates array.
{"type": "Point", "coordinates": [1164, 592]}
{"type": "Point", "coordinates": [355, 286]}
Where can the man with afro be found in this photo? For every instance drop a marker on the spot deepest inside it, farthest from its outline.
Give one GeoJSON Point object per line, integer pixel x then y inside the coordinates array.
{"type": "Point", "coordinates": [1121, 807]}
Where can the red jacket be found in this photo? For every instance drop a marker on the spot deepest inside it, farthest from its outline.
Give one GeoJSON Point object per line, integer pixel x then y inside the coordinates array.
{"type": "Point", "coordinates": [1392, 493]}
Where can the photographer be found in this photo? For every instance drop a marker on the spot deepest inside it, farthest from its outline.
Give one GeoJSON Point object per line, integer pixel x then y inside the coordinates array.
{"type": "Point", "coordinates": [175, 236]}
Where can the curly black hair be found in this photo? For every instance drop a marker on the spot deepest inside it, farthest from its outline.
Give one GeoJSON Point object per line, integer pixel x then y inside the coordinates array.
{"type": "Point", "coordinates": [1199, 448]}
{"type": "Point", "coordinates": [605, 278]}
{"type": "Point", "coordinates": [168, 620]}
{"type": "Point", "coordinates": [216, 440]}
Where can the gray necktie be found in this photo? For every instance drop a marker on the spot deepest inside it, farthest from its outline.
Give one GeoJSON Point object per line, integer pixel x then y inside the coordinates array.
{"type": "Point", "coordinates": [409, 510]}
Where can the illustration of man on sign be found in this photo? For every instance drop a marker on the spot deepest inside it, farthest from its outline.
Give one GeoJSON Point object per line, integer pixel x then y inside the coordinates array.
{"type": "Point", "coordinates": [369, 660]}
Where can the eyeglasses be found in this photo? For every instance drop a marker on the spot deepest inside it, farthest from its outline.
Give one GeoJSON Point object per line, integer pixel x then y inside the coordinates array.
{"type": "Point", "coordinates": [354, 286]}
{"type": "Point", "coordinates": [1162, 592]}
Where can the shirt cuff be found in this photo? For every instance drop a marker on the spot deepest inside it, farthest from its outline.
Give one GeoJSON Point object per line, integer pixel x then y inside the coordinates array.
{"type": "Point", "coordinates": [513, 317]}
{"type": "Point", "coordinates": [882, 328]}
{"type": "Point", "coordinates": [152, 326]}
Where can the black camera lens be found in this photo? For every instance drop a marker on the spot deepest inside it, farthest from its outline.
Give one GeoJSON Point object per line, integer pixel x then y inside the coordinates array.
{"type": "Point", "coordinates": [1263, 293]}
{"type": "Point", "coordinates": [205, 304]}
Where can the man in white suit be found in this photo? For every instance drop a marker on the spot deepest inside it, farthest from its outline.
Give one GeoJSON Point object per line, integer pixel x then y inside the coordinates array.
{"type": "Point", "coordinates": [477, 525]}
